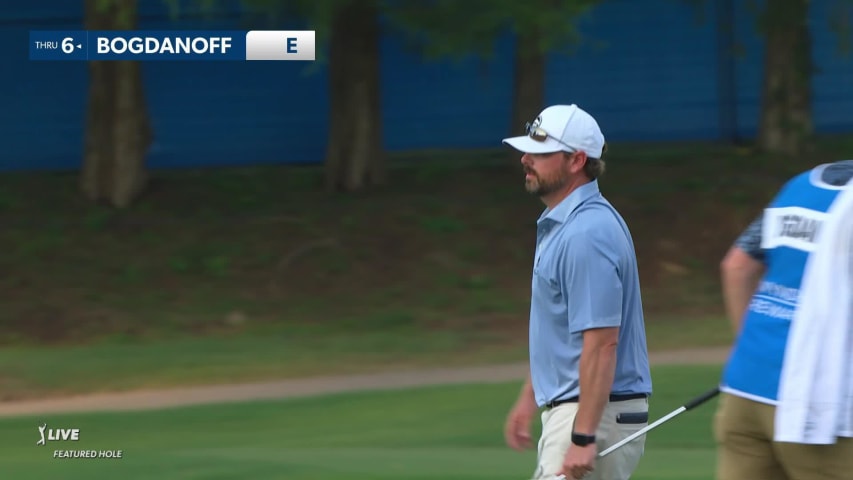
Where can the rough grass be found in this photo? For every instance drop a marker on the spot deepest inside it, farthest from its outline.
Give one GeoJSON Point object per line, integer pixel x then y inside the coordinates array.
{"type": "Point", "coordinates": [435, 266]}
{"type": "Point", "coordinates": [447, 244]}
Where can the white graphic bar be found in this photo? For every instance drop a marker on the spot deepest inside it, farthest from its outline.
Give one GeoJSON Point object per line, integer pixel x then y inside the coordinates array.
{"type": "Point", "coordinates": [280, 45]}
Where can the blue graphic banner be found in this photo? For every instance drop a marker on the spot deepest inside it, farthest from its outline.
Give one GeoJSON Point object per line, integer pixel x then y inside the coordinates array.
{"type": "Point", "coordinates": [161, 45]}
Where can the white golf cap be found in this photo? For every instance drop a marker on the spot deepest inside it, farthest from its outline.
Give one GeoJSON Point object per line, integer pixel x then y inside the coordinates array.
{"type": "Point", "coordinates": [568, 127]}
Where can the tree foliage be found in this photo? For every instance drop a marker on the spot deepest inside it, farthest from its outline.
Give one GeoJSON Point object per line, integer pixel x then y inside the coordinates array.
{"type": "Point", "coordinates": [454, 29]}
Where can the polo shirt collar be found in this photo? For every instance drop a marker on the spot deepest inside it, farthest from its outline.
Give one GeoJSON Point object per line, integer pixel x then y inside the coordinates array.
{"type": "Point", "coordinates": [560, 213]}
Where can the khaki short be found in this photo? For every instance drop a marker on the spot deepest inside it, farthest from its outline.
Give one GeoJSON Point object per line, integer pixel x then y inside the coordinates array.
{"type": "Point", "coordinates": [556, 440]}
{"type": "Point", "coordinates": [743, 430]}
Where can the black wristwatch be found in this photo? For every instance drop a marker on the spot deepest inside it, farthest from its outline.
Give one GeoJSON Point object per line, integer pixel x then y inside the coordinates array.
{"type": "Point", "coordinates": [582, 440]}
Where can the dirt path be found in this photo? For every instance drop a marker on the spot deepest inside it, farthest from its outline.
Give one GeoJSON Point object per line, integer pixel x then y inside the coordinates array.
{"type": "Point", "coordinates": [153, 399]}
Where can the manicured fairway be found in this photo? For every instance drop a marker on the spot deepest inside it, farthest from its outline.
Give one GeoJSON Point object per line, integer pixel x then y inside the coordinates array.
{"type": "Point", "coordinates": [429, 433]}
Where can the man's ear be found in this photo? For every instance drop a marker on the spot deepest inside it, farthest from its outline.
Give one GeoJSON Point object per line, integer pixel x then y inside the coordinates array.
{"type": "Point", "coordinates": [577, 161]}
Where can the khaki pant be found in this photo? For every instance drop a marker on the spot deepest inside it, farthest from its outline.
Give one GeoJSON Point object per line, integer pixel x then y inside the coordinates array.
{"type": "Point", "coordinates": [556, 440]}
{"type": "Point", "coordinates": [743, 430]}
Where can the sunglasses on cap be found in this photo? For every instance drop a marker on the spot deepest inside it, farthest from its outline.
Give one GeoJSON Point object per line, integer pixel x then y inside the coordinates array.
{"type": "Point", "coordinates": [540, 135]}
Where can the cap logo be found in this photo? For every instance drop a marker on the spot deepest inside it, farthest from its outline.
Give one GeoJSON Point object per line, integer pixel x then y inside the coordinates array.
{"type": "Point", "coordinates": [537, 122]}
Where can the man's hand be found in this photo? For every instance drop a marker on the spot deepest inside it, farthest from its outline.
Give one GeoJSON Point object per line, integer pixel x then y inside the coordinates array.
{"type": "Point", "coordinates": [579, 461]}
{"type": "Point", "coordinates": [517, 429]}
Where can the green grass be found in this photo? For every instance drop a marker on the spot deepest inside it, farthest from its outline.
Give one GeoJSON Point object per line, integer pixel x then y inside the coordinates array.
{"type": "Point", "coordinates": [129, 363]}
{"type": "Point", "coordinates": [429, 433]}
{"type": "Point", "coordinates": [250, 273]}
{"type": "Point", "coordinates": [448, 241]}
{"type": "Point", "coordinates": [115, 365]}
{"type": "Point", "coordinates": [109, 366]}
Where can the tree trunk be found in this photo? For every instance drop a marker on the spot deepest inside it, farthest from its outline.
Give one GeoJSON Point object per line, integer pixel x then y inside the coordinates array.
{"type": "Point", "coordinates": [118, 132]}
{"type": "Point", "coordinates": [529, 84]}
{"type": "Point", "coordinates": [355, 158]}
{"type": "Point", "coordinates": [786, 119]}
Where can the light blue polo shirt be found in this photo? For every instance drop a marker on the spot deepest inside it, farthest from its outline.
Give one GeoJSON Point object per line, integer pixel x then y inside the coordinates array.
{"type": "Point", "coordinates": [584, 276]}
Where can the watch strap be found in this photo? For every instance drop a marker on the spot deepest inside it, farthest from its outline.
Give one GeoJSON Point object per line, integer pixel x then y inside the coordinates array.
{"type": "Point", "coordinates": [582, 440]}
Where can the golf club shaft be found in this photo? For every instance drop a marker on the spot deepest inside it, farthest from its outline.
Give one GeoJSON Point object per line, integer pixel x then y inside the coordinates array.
{"type": "Point", "coordinates": [678, 411]}
{"type": "Point", "coordinates": [641, 432]}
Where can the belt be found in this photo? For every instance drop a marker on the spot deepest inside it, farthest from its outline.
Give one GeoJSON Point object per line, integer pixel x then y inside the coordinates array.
{"type": "Point", "coordinates": [613, 398]}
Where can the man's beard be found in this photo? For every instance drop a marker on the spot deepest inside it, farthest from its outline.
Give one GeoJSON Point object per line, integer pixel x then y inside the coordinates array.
{"type": "Point", "coordinates": [543, 186]}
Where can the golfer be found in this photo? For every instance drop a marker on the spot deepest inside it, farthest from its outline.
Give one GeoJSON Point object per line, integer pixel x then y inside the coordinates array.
{"type": "Point", "coordinates": [786, 407]}
{"type": "Point", "coordinates": [589, 364]}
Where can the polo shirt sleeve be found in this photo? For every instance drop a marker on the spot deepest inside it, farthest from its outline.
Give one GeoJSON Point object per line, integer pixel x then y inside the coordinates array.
{"type": "Point", "coordinates": [593, 285]}
{"type": "Point", "coordinates": [750, 240]}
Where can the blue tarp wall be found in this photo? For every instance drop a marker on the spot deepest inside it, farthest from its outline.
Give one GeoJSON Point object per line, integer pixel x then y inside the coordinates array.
{"type": "Point", "coordinates": [655, 70]}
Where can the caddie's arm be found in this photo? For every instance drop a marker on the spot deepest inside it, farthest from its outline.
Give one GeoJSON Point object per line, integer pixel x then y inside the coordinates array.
{"type": "Point", "coordinates": [740, 272]}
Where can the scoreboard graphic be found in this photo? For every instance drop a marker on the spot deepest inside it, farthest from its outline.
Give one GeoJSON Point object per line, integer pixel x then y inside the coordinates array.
{"type": "Point", "coordinates": [159, 45]}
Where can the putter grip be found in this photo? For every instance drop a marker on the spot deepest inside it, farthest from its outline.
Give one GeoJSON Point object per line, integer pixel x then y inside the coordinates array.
{"type": "Point", "coordinates": [702, 398]}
